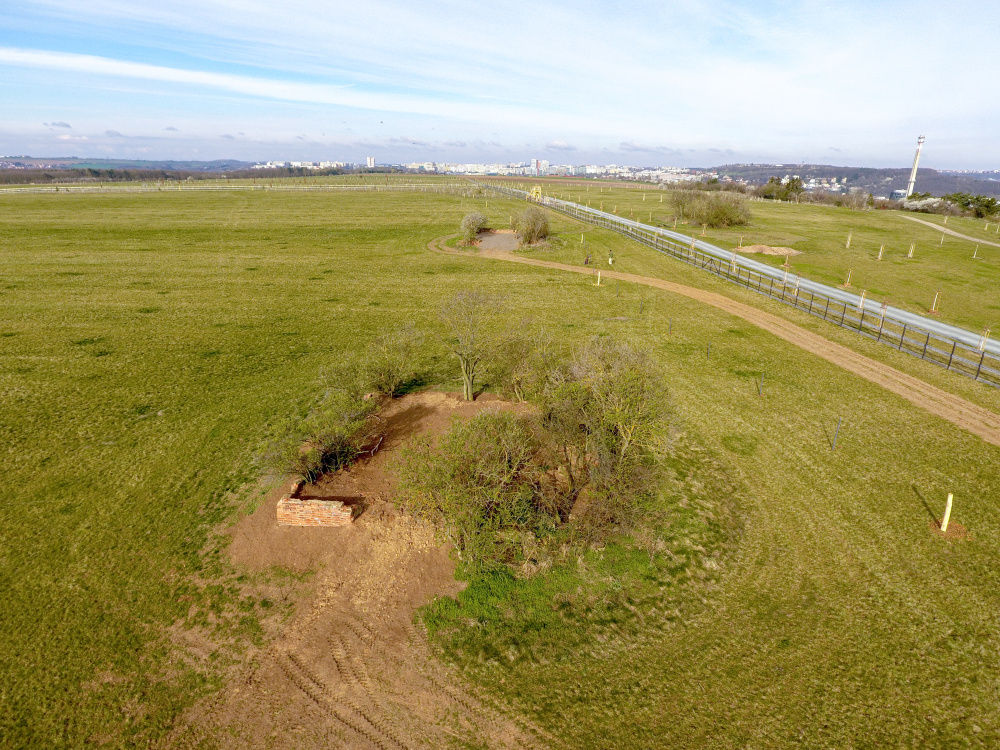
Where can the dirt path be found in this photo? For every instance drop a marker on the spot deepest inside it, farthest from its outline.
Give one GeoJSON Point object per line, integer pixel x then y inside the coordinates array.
{"type": "Point", "coordinates": [350, 669]}
{"type": "Point", "coordinates": [951, 232]}
{"type": "Point", "coordinates": [957, 410]}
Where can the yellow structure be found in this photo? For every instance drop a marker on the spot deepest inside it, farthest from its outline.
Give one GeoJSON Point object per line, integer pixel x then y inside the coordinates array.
{"type": "Point", "coordinates": [536, 193]}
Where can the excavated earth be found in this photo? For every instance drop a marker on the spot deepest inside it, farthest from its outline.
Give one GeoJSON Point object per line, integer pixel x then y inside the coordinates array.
{"type": "Point", "coordinates": [350, 669]}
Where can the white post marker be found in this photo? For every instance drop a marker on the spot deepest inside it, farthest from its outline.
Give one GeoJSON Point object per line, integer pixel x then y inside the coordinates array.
{"type": "Point", "coordinates": [861, 304]}
{"type": "Point", "coordinates": [934, 304]}
{"type": "Point", "coordinates": [848, 245]}
{"type": "Point", "coordinates": [848, 281]}
{"type": "Point", "coordinates": [947, 515]}
{"type": "Point", "coordinates": [942, 238]}
{"type": "Point", "coordinates": [976, 254]}
{"type": "Point", "coordinates": [912, 245]}
{"type": "Point", "coordinates": [598, 278]}
{"type": "Point", "coordinates": [880, 250]}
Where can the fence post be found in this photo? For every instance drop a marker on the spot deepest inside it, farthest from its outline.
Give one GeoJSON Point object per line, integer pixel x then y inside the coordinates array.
{"type": "Point", "coordinates": [953, 345]}
{"type": "Point", "coordinates": [827, 310]}
{"type": "Point", "coordinates": [924, 353]}
{"type": "Point", "coordinates": [843, 315]}
{"type": "Point", "coordinates": [981, 358]}
{"type": "Point", "coordinates": [901, 337]}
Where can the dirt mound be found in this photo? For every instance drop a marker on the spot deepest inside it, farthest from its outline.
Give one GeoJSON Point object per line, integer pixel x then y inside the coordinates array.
{"type": "Point", "coordinates": [350, 669]}
{"type": "Point", "coordinates": [768, 250]}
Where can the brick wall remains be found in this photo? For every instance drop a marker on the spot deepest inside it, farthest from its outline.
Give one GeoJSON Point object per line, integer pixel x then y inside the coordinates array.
{"type": "Point", "coordinates": [295, 512]}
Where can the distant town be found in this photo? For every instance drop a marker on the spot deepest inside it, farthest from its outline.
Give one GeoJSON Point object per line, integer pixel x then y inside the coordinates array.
{"type": "Point", "coordinates": [819, 178]}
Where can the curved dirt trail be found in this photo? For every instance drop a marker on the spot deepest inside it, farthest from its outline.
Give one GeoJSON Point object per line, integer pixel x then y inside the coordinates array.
{"type": "Point", "coordinates": [951, 232]}
{"type": "Point", "coordinates": [350, 669]}
{"type": "Point", "coordinates": [957, 410]}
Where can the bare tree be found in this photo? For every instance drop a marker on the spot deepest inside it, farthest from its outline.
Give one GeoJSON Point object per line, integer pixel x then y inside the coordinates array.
{"type": "Point", "coordinates": [471, 319]}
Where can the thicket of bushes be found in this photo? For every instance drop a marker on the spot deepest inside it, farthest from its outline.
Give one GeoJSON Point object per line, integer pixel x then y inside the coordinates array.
{"type": "Point", "coordinates": [583, 463]}
{"type": "Point", "coordinates": [503, 486]}
{"type": "Point", "coordinates": [713, 208]}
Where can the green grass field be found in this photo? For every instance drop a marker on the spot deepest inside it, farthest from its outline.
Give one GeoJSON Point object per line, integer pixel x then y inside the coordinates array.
{"type": "Point", "coordinates": [148, 341]}
{"type": "Point", "coordinates": [966, 283]}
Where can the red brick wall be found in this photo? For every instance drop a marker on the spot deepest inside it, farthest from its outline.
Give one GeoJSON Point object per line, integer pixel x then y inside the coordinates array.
{"type": "Point", "coordinates": [295, 512]}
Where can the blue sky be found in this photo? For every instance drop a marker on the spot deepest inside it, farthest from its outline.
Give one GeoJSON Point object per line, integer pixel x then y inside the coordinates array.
{"type": "Point", "coordinates": [668, 83]}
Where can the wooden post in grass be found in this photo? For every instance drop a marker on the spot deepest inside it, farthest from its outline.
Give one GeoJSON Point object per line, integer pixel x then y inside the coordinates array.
{"type": "Point", "coordinates": [942, 238]}
{"type": "Point", "coordinates": [912, 245]}
{"type": "Point", "coordinates": [671, 328]}
{"type": "Point", "coordinates": [934, 303]}
{"type": "Point", "coordinates": [947, 515]}
{"type": "Point", "coordinates": [848, 245]}
{"type": "Point", "coordinates": [861, 303]}
{"type": "Point", "coordinates": [880, 251]}
{"type": "Point", "coordinates": [945, 219]}
{"type": "Point", "coordinates": [976, 254]}
{"type": "Point", "coordinates": [760, 389]}
{"type": "Point", "coordinates": [848, 281]}
{"type": "Point", "coordinates": [598, 278]}
{"type": "Point", "coordinates": [836, 434]}
{"type": "Point", "coordinates": [741, 241]}
{"type": "Point", "coordinates": [703, 228]}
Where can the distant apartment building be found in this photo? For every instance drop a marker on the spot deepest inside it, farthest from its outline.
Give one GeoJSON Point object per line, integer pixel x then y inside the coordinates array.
{"type": "Point", "coordinates": [539, 167]}
{"type": "Point", "coordinates": [370, 162]}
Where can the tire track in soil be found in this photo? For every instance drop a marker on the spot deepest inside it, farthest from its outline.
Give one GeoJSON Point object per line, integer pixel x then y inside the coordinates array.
{"type": "Point", "coordinates": [349, 669]}
{"type": "Point", "coordinates": [957, 410]}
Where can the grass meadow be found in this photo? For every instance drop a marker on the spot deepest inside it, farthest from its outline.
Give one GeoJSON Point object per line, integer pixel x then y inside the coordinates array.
{"type": "Point", "coordinates": [149, 341]}
{"type": "Point", "coordinates": [966, 284]}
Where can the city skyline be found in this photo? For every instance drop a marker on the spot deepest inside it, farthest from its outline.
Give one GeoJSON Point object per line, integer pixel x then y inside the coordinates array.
{"type": "Point", "coordinates": [692, 84]}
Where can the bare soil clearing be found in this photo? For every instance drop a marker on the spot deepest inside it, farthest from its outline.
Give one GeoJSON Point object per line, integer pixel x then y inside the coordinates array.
{"type": "Point", "coordinates": [350, 669]}
{"type": "Point", "coordinates": [957, 410]}
{"type": "Point", "coordinates": [498, 239]}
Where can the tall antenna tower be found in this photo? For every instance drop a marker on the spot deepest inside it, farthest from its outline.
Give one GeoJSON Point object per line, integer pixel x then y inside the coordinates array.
{"type": "Point", "coordinates": [913, 172]}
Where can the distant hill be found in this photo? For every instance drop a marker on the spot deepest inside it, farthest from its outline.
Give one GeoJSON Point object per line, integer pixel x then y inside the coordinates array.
{"type": "Point", "coordinates": [870, 180]}
{"type": "Point", "coordinates": [72, 162]}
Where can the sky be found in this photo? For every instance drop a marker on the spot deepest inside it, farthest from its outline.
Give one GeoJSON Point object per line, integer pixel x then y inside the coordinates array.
{"type": "Point", "coordinates": [666, 82]}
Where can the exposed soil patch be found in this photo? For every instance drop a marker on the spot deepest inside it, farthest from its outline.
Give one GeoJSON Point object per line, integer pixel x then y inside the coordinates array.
{"type": "Point", "coordinates": [498, 239]}
{"type": "Point", "coordinates": [956, 531]}
{"type": "Point", "coordinates": [350, 669]}
{"type": "Point", "coordinates": [768, 250]}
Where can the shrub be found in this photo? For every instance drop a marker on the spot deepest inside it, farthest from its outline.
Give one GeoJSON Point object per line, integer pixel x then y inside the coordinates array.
{"type": "Point", "coordinates": [472, 224]}
{"type": "Point", "coordinates": [721, 210]}
{"type": "Point", "coordinates": [480, 485]}
{"type": "Point", "coordinates": [389, 360]}
{"type": "Point", "coordinates": [606, 419]}
{"type": "Point", "coordinates": [329, 438]}
{"type": "Point", "coordinates": [532, 225]}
